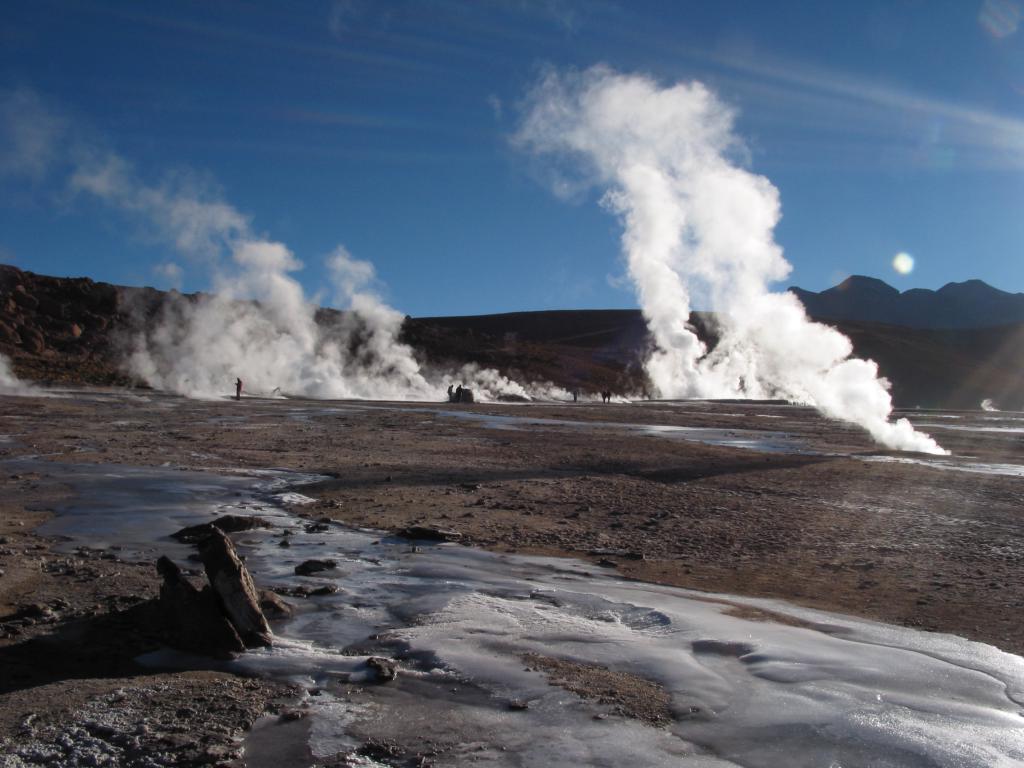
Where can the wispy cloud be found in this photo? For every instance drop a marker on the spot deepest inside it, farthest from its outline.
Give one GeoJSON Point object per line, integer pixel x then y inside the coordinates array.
{"type": "Point", "coordinates": [182, 208]}
{"type": "Point", "coordinates": [30, 134]}
{"type": "Point", "coordinates": [898, 124]}
{"type": "Point", "coordinates": [496, 105]}
{"type": "Point", "coordinates": [48, 146]}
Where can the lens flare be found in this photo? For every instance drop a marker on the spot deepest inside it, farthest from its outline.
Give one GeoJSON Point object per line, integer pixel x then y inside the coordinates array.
{"type": "Point", "coordinates": [1000, 18]}
{"type": "Point", "coordinates": [903, 263]}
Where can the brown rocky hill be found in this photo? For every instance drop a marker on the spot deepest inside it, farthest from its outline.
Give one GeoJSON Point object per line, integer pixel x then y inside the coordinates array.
{"type": "Point", "coordinates": [75, 330]}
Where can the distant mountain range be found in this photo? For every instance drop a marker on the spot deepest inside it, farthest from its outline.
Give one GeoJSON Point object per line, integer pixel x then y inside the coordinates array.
{"type": "Point", "coordinates": [971, 304]}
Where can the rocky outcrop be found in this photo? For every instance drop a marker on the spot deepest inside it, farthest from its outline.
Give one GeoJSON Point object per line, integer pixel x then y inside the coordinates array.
{"type": "Point", "coordinates": [226, 616]}
{"type": "Point", "coordinates": [192, 618]}
{"type": "Point", "coordinates": [235, 590]}
{"type": "Point", "coordinates": [62, 329]}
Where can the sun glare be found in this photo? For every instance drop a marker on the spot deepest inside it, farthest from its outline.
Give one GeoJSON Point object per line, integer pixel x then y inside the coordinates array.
{"type": "Point", "coordinates": [903, 263]}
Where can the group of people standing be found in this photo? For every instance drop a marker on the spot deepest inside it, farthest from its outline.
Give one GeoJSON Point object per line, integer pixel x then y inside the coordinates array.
{"type": "Point", "coordinates": [606, 396]}
{"type": "Point", "coordinates": [459, 394]}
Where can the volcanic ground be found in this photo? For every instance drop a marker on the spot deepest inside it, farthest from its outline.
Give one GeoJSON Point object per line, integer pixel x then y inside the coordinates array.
{"type": "Point", "coordinates": [744, 498]}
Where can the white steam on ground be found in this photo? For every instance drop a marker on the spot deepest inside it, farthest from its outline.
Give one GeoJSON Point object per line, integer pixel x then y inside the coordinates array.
{"type": "Point", "coordinates": [11, 384]}
{"type": "Point", "coordinates": [696, 221]}
{"type": "Point", "coordinates": [988, 405]}
{"type": "Point", "coordinates": [276, 345]}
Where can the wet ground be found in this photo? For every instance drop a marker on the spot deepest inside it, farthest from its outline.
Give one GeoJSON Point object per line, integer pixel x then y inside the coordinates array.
{"type": "Point", "coordinates": [751, 499]}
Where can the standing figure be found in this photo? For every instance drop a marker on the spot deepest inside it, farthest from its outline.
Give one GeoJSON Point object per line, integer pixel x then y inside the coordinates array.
{"type": "Point", "coordinates": [451, 394]}
{"type": "Point", "coordinates": [238, 389]}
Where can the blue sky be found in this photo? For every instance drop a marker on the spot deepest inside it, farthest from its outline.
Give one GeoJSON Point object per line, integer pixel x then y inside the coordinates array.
{"type": "Point", "coordinates": [887, 127]}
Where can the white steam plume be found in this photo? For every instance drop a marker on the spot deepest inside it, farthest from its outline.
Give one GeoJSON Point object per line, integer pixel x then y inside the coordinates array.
{"type": "Point", "coordinates": [11, 384]}
{"type": "Point", "coordinates": [695, 220]}
{"type": "Point", "coordinates": [274, 344]}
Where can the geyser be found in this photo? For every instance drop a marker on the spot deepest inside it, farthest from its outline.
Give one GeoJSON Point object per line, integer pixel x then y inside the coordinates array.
{"type": "Point", "coordinates": [258, 324]}
{"type": "Point", "coordinates": [696, 221]}
{"type": "Point", "coordinates": [11, 384]}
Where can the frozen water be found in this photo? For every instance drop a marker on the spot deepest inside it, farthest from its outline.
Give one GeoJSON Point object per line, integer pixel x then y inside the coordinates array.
{"type": "Point", "coordinates": [973, 428]}
{"type": "Point", "coordinates": [750, 439]}
{"type": "Point", "coordinates": [975, 467]}
{"type": "Point", "coordinates": [821, 690]}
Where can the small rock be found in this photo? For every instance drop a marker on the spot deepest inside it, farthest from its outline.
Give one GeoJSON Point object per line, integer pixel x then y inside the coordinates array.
{"type": "Point", "coordinates": [326, 589]}
{"type": "Point", "coordinates": [430, 533]}
{"type": "Point", "coordinates": [273, 606]}
{"type": "Point", "coordinates": [227, 524]}
{"type": "Point", "coordinates": [386, 669]}
{"type": "Point", "coordinates": [518, 705]}
{"type": "Point", "coordinates": [314, 566]}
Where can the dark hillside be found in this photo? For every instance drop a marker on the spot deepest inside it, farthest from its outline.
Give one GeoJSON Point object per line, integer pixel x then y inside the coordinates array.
{"type": "Point", "coordinates": [75, 330]}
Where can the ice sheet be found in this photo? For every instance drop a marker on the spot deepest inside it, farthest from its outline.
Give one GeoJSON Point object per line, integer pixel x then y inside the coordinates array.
{"type": "Point", "coordinates": [830, 691]}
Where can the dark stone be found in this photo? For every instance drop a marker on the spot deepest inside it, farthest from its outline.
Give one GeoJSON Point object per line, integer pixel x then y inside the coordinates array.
{"type": "Point", "coordinates": [326, 589]}
{"type": "Point", "coordinates": [386, 669]}
{"type": "Point", "coordinates": [626, 554]}
{"type": "Point", "coordinates": [192, 618]}
{"type": "Point", "coordinates": [430, 533]}
{"type": "Point", "coordinates": [234, 587]}
{"type": "Point", "coordinates": [273, 606]}
{"type": "Point", "coordinates": [227, 524]}
{"type": "Point", "coordinates": [310, 567]}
